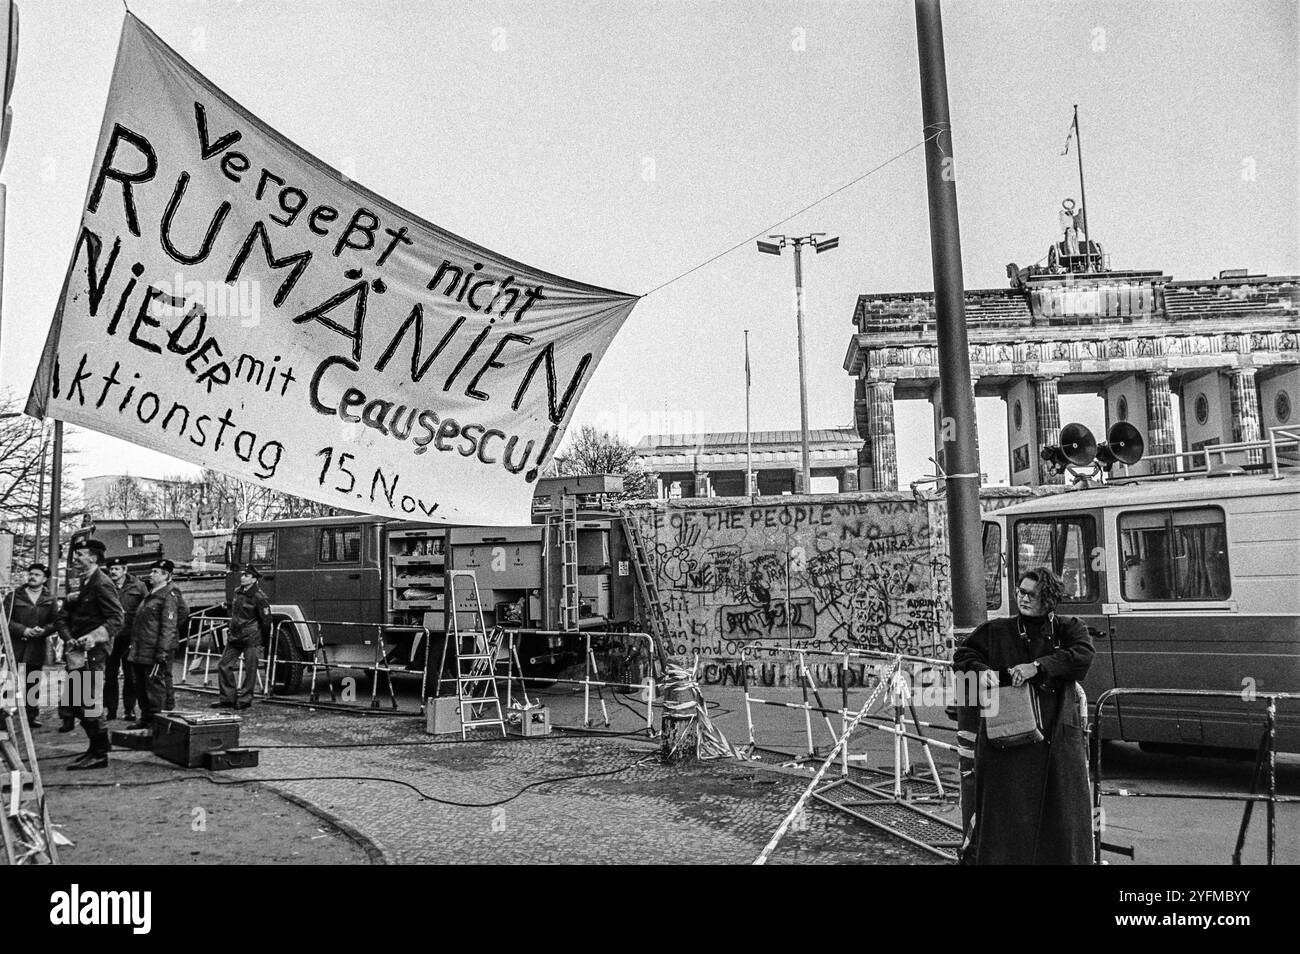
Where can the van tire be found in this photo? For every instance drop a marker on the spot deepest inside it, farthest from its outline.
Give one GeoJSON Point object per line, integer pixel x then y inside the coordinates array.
{"type": "Point", "coordinates": [290, 662]}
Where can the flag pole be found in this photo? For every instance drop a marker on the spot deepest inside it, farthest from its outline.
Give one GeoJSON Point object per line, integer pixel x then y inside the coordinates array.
{"type": "Point", "coordinates": [749, 447]}
{"type": "Point", "coordinates": [1083, 196]}
{"type": "Point", "coordinates": [56, 508]}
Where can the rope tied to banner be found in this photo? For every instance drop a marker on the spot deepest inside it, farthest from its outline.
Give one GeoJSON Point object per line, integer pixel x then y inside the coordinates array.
{"type": "Point", "coordinates": [812, 205]}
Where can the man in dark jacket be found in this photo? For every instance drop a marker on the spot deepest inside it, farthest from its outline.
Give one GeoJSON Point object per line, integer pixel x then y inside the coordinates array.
{"type": "Point", "coordinates": [154, 637]}
{"type": "Point", "coordinates": [250, 625]}
{"type": "Point", "coordinates": [87, 622]}
{"type": "Point", "coordinates": [131, 592]}
{"type": "Point", "coordinates": [31, 614]}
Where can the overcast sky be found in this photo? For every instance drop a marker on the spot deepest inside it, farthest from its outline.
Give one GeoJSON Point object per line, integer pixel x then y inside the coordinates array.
{"type": "Point", "coordinates": [621, 144]}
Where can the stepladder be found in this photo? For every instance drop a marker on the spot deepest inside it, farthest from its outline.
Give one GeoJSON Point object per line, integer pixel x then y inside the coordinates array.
{"type": "Point", "coordinates": [475, 649]}
{"type": "Point", "coordinates": [28, 836]}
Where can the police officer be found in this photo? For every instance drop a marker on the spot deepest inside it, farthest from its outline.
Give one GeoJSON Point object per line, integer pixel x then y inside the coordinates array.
{"type": "Point", "coordinates": [250, 625]}
{"type": "Point", "coordinates": [154, 637]}
{"type": "Point", "coordinates": [88, 622]}
{"type": "Point", "coordinates": [31, 613]}
{"type": "Point", "coordinates": [130, 592]}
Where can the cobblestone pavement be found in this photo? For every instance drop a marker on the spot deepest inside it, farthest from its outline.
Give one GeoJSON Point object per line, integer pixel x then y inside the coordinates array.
{"type": "Point", "coordinates": [628, 808]}
{"type": "Point", "coordinates": [142, 810]}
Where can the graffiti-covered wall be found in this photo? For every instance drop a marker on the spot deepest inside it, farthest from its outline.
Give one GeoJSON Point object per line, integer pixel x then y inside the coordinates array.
{"type": "Point", "coordinates": [864, 571]}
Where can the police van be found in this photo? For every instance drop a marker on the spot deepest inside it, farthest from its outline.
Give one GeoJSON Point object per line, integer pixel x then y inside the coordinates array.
{"type": "Point", "coordinates": [1189, 582]}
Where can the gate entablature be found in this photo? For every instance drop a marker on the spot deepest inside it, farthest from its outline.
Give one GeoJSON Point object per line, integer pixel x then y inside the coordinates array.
{"type": "Point", "coordinates": [1138, 334]}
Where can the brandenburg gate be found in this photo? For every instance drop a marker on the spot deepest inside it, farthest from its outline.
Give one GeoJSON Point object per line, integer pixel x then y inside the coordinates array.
{"type": "Point", "coordinates": [1228, 346]}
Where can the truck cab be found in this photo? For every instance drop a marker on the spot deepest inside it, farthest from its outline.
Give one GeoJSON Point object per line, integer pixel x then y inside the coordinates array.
{"type": "Point", "coordinates": [318, 573]}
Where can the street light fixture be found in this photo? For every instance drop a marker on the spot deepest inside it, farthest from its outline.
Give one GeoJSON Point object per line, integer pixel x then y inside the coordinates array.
{"type": "Point", "coordinates": [820, 244]}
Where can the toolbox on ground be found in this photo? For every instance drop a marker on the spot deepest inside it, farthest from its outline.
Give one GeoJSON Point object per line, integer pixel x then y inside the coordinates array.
{"type": "Point", "coordinates": [223, 759]}
{"type": "Point", "coordinates": [442, 715]}
{"type": "Point", "coordinates": [529, 722]}
{"type": "Point", "coordinates": [141, 739]}
{"type": "Point", "coordinates": [185, 737]}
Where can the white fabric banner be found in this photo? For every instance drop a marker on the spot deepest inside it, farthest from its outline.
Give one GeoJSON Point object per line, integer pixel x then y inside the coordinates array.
{"type": "Point", "coordinates": [234, 302]}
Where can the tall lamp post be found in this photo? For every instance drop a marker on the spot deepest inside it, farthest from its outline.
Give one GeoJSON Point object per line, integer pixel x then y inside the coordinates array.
{"type": "Point", "coordinates": [820, 244]}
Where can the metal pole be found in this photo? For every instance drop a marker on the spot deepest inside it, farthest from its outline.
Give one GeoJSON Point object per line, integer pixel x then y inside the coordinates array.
{"type": "Point", "coordinates": [40, 494]}
{"type": "Point", "coordinates": [1271, 845]}
{"type": "Point", "coordinates": [1083, 196]}
{"type": "Point", "coordinates": [803, 379]}
{"type": "Point", "coordinates": [960, 454]}
{"type": "Point", "coordinates": [749, 443]}
{"type": "Point", "coordinates": [56, 508]}
{"type": "Point", "coordinates": [3, 204]}
{"type": "Point", "coordinates": [962, 457]}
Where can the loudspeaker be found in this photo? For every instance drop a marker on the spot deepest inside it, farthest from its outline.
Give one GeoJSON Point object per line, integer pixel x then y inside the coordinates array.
{"type": "Point", "coordinates": [1124, 445]}
{"type": "Point", "coordinates": [1078, 445]}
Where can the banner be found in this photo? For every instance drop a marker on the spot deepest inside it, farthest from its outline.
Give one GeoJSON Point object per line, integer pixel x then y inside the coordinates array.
{"type": "Point", "coordinates": [235, 302]}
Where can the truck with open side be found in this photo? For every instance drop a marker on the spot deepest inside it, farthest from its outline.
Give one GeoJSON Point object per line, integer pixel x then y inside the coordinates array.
{"type": "Point", "coordinates": [391, 575]}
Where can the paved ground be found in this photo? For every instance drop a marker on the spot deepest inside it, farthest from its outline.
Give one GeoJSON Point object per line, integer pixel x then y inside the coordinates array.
{"type": "Point", "coordinates": [401, 796]}
{"type": "Point", "coordinates": [474, 802]}
{"type": "Point", "coordinates": [142, 810]}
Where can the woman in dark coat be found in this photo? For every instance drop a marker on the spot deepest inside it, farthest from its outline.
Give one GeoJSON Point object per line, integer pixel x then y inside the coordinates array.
{"type": "Point", "coordinates": [1032, 803]}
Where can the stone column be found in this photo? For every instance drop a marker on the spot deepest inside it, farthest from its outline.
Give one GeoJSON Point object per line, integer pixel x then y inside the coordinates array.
{"type": "Point", "coordinates": [862, 421]}
{"type": "Point", "coordinates": [702, 486]}
{"type": "Point", "coordinates": [884, 457]}
{"type": "Point", "coordinates": [1160, 421]}
{"type": "Point", "coordinates": [1245, 411]}
{"type": "Point", "coordinates": [942, 430]}
{"type": "Point", "coordinates": [861, 409]}
{"type": "Point", "coordinates": [848, 480]}
{"type": "Point", "coordinates": [936, 408]}
{"type": "Point", "coordinates": [1047, 414]}
{"type": "Point", "coordinates": [866, 468]}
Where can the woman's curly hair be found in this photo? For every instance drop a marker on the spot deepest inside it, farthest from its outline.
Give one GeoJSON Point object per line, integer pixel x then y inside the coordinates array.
{"type": "Point", "coordinates": [1050, 587]}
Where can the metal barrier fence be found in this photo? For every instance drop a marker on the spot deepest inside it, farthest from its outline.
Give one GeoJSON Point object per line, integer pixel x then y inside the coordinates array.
{"type": "Point", "coordinates": [1267, 756]}
{"type": "Point", "coordinates": [591, 672]}
{"type": "Point", "coordinates": [901, 696]}
{"type": "Point", "coordinates": [217, 630]}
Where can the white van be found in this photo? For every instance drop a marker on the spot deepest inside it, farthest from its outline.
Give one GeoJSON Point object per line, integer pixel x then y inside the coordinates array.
{"type": "Point", "coordinates": [1184, 584]}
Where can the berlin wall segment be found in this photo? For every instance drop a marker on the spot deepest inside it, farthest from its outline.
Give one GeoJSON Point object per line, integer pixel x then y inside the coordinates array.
{"type": "Point", "coordinates": [848, 571]}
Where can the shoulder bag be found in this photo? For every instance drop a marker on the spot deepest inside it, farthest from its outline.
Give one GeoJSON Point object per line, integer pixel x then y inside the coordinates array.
{"type": "Point", "coordinates": [1012, 717]}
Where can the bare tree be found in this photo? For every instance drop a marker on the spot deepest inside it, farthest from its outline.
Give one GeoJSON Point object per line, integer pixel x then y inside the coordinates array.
{"type": "Point", "coordinates": [25, 455]}
{"type": "Point", "coordinates": [124, 499]}
{"type": "Point", "coordinates": [590, 451]}
{"type": "Point", "coordinates": [228, 502]}
{"type": "Point", "coordinates": [177, 497]}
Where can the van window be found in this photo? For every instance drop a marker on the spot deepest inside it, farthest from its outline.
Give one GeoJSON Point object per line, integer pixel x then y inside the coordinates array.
{"type": "Point", "coordinates": [1065, 545]}
{"type": "Point", "coordinates": [992, 565]}
{"type": "Point", "coordinates": [1174, 555]}
{"type": "Point", "coordinates": [340, 545]}
{"type": "Point", "coordinates": [258, 549]}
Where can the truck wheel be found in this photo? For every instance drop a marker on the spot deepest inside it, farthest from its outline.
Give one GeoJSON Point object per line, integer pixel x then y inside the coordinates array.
{"type": "Point", "coordinates": [290, 667]}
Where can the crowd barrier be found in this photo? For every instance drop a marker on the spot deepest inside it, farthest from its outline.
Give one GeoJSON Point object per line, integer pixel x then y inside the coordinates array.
{"type": "Point", "coordinates": [206, 641]}
{"type": "Point", "coordinates": [1266, 763]}
{"type": "Point", "coordinates": [901, 696]}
